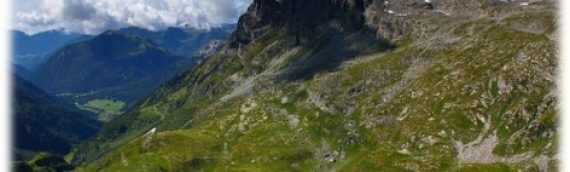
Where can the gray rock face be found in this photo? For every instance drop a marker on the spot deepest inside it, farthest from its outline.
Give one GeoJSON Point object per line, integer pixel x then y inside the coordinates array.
{"type": "Point", "coordinates": [297, 16]}
{"type": "Point", "coordinates": [210, 48]}
{"type": "Point", "coordinates": [382, 17]}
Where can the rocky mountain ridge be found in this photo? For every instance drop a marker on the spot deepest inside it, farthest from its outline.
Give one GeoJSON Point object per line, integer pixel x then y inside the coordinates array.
{"type": "Point", "coordinates": [387, 19]}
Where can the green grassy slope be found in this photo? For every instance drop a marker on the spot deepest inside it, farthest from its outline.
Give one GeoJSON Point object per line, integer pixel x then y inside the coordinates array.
{"type": "Point", "coordinates": [476, 95]}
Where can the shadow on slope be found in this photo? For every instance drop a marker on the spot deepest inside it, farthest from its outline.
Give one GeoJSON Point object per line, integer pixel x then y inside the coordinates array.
{"type": "Point", "coordinates": [336, 50]}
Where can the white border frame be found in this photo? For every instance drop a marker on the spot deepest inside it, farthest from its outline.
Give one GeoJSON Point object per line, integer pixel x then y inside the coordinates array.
{"type": "Point", "coordinates": [5, 84]}
{"type": "Point", "coordinates": [5, 81]}
{"type": "Point", "coordinates": [564, 85]}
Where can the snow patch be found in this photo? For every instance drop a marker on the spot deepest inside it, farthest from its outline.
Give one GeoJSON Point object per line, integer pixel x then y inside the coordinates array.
{"type": "Point", "coordinates": [443, 12]}
{"type": "Point", "coordinates": [150, 132]}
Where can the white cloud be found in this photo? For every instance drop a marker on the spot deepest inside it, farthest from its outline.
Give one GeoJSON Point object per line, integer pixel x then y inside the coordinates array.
{"type": "Point", "coordinates": [95, 16]}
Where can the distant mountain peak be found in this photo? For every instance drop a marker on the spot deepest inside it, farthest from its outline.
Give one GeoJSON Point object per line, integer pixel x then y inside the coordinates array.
{"type": "Point", "coordinates": [114, 34]}
{"type": "Point", "coordinates": [181, 41]}
{"type": "Point", "coordinates": [111, 32]}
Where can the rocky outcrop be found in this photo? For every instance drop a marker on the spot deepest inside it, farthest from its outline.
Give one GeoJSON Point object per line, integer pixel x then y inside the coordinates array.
{"type": "Point", "coordinates": [297, 16]}
{"type": "Point", "coordinates": [209, 49]}
{"type": "Point", "coordinates": [386, 19]}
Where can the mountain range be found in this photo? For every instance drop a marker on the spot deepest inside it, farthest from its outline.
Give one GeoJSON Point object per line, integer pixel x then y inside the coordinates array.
{"type": "Point", "coordinates": [117, 68]}
{"type": "Point", "coordinates": [298, 85]}
{"type": "Point", "coordinates": [100, 66]}
{"type": "Point", "coordinates": [182, 41]}
{"type": "Point", "coordinates": [30, 51]}
{"type": "Point", "coordinates": [89, 79]}
{"type": "Point", "coordinates": [354, 85]}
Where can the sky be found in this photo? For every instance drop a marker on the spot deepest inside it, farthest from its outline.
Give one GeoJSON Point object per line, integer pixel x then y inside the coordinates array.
{"type": "Point", "coordinates": [96, 16]}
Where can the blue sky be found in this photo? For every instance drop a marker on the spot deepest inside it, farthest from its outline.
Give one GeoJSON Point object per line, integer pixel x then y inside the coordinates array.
{"type": "Point", "coordinates": [95, 16]}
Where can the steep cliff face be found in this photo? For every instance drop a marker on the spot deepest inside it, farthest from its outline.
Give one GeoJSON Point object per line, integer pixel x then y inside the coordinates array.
{"type": "Point", "coordinates": [298, 16]}
{"type": "Point", "coordinates": [382, 17]}
{"type": "Point", "coordinates": [355, 85]}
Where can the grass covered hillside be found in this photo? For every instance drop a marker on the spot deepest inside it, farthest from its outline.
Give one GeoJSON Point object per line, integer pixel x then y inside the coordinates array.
{"type": "Point", "coordinates": [355, 85]}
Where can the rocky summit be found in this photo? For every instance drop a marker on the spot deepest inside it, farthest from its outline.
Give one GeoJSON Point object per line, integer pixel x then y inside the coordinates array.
{"type": "Point", "coordinates": [355, 85]}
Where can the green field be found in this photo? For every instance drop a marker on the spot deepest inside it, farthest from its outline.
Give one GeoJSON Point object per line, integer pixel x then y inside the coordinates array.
{"type": "Point", "coordinates": [106, 109]}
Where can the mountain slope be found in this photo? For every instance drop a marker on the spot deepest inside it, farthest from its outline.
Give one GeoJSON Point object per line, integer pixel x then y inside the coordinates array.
{"type": "Point", "coordinates": [43, 124]}
{"type": "Point", "coordinates": [21, 71]}
{"type": "Point", "coordinates": [355, 85]}
{"type": "Point", "coordinates": [109, 66]}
